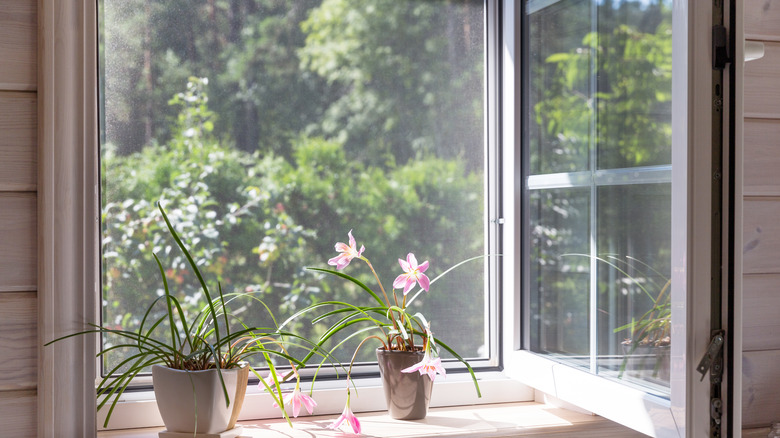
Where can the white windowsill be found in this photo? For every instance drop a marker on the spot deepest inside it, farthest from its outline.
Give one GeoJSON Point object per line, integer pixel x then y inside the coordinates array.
{"type": "Point", "coordinates": [493, 420]}
{"type": "Point", "coordinates": [139, 410]}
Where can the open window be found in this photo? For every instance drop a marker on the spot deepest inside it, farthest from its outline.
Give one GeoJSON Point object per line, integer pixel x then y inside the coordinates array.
{"type": "Point", "coordinates": [615, 216]}
{"type": "Point", "coordinates": [69, 212]}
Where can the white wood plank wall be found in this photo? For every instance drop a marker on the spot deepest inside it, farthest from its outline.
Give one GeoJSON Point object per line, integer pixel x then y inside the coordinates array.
{"type": "Point", "coordinates": [18, 213]}
{"type": "Point", "coordinates": [761, 281]}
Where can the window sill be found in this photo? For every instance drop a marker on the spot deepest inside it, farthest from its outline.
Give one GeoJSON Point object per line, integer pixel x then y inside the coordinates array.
{"type": "Point", "coordinates": [503, 419]}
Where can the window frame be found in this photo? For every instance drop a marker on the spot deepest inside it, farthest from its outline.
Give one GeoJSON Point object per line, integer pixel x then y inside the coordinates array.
{"type": "Point", "coordinates": [69, 201]}
{"type": "Point", "coordinates": [687, 411]}
{"type": "Point", "coordinates": [67, 212]}
{"type": "Point", "coordinates": [68, 273]}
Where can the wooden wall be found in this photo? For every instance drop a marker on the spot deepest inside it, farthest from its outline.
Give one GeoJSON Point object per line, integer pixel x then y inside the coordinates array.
{"type": "Point", "coordinates": [761, 281]}
{"type": "Point", "coordinates": [18, 212]}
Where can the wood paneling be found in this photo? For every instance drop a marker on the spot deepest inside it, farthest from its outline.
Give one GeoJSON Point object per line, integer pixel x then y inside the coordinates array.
{"type": "Point", "coordinates": [762, 19]}
{"type": "Point", "coordinates": [762, 157]}
{"type": "Point", "coordinates": [18, 141]}
{"type": "Point", "coordinates": [17, 414]}
{"type": "Point", "coordinates": [760, 432]}
{"type": "Point", "coordinates": [762, 84]}
{"type": "Point", "coordinates": [18, 242]}
{"type": "Point", "coordinates": [760, 388]}
{"type": "Point", "coordinates": [761, 251]}
{"type": "Point", "coordinates": [18, 44]}
{"type": "Point", "coordinates": [760, 304]}
{"type": "Point", "coordinates": [18, 341]}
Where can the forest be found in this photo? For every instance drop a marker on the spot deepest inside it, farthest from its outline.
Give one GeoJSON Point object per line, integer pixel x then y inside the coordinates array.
{"type": "Point", "coordinates": [271, 128]}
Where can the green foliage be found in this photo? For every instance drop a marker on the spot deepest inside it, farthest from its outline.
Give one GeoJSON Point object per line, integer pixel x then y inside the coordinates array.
{"type": "Point", "coordinates": [392, 80]}
{"type": "Point", "coordinates": [255, 222]}
{"type": "Point", "coordinates": [247, 48]}
{"type": "Point", "coordinates": [409, 76]}
{"type": "Point", "coordinates": [194, 340]}
{"type": "Point", "coordinates": [599, 99]}
{"type": "Point", "coordinates": [629, 104]}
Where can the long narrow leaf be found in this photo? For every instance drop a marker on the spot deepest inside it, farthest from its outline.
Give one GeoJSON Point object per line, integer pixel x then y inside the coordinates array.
{"type": "Point", "coordinates": [174, 331]}
{"type": "Point", "coordinates": [353, 280]}
{"type": "Point", "coordinates": [471, 371]}
{"type": "Point", "coordinates": [193, 265]}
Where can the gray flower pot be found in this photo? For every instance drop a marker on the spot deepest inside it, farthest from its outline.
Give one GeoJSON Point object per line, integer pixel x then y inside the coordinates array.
{"type": "Point", "coordinates": [407, 394]}
{"type": "Point", "coordinates": [180, 394]}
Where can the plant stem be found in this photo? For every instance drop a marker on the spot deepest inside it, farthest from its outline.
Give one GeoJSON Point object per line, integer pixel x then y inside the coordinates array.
{"type": "Point", "coordinates": [387, 300]}
{"type": "Point", "coordinates": [354, 355]}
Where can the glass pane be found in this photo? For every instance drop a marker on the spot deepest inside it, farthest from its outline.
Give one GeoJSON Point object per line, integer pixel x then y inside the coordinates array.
{"type": "Point", "coordinates": [633, 79]}
{"type": "Point", "coordinates": [597, 113]}
{"type": "Point", "coordinates": [270, 129]}
{"type": "Point", "coordinates": [559, 87]}
{"type": "Point", "coordinates": [559, 280]}
{"type": "Point", "coordinates": [634, 311]}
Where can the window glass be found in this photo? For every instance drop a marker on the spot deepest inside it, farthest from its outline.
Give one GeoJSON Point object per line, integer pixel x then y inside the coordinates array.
{"type": "Point", "coordinates": [597, 108]}
{"type": "Point", "coordinates": [269, 129]}
{"type": "Point", "coordinates": [558, 298]}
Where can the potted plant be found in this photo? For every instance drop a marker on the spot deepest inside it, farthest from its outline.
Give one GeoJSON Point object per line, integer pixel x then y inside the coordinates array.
{"type": "Point", "coordinates": [408, 353]}
{"type": "Point", "coordinates": [199, 365]}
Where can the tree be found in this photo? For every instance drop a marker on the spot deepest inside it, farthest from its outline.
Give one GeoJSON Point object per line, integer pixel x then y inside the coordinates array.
{"type": "Point", "coordinates": [409, 77]}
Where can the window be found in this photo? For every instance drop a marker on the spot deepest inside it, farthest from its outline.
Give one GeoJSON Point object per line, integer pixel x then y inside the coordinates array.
{"type": "Point", "coordinates": [271, 129]}
{"type": "Point", "coordinates": [69, 262]}
{"type": "Point", "coordinates": [575, 181]}
{"type": "Point", "coordinates": [598, 191]}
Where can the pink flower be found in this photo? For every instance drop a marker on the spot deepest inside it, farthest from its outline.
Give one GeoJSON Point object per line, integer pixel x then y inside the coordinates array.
{"type": "Point", "coordinates": [348, 252]}
{"type": "Point", "coordinates": [427, 365]}
{"type": "Point", "coordinates": [347, 416]}
{"type": "Point", "coordinates": [412, 274]}
{"type": "Point", "coordinates": [270, 381]}
{"type": "Point", "coordinates": [296, 399]}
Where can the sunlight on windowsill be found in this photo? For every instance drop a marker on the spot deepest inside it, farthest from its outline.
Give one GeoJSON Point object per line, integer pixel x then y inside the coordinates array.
{"type": "Point", "coordinates": [504, 419]}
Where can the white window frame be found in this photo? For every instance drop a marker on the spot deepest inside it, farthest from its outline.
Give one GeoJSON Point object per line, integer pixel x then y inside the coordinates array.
{"type": "Point", "coordinates": [69, 267]}
{"type": "Point", "coordinates": [68, 215]}
{"type": "Point", "coordinates": [687, 411]}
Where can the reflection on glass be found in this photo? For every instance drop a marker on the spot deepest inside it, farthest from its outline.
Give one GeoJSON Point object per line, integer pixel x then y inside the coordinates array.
{"type": "Point", "coordinates": [633, 83]}
{"type": "Point", "coordinates": [597, 114]}
{"type": "Point", "coordinates": [269, 129]}
{"type": "Point", "coordinates": [634, 308]}
{"type": "Point", "coordinates": [559, 91]}
{"type": "Point", "coordinates": [599, 77]}
{"type": "Point", "coordinates": [559, 297]}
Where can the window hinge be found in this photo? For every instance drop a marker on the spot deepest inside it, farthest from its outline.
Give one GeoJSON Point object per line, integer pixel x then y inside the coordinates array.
{"type": "Point", "coordinates": [713, 362]}
{"type": "Point", "coordinates": [713, 359]}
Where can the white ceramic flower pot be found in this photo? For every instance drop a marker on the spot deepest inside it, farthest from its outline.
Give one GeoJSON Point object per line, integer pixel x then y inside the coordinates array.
{"type": "Point", "coordinates": [193, 401]}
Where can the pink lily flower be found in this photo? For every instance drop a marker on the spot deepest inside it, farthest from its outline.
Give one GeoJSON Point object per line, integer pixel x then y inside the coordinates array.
{"type": "Point", "coordinates": [296, 399]}
{"type": "Point", "coordinates": [347, 416]}
{"type": "Point", "coordinates": [269, 380]}
{"type": "Point", "coordinates": [348, 252]}
{"type": "Point", "coordinates": [413, 273]}
{"type": "Point", "coordinates": [428, 366]}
